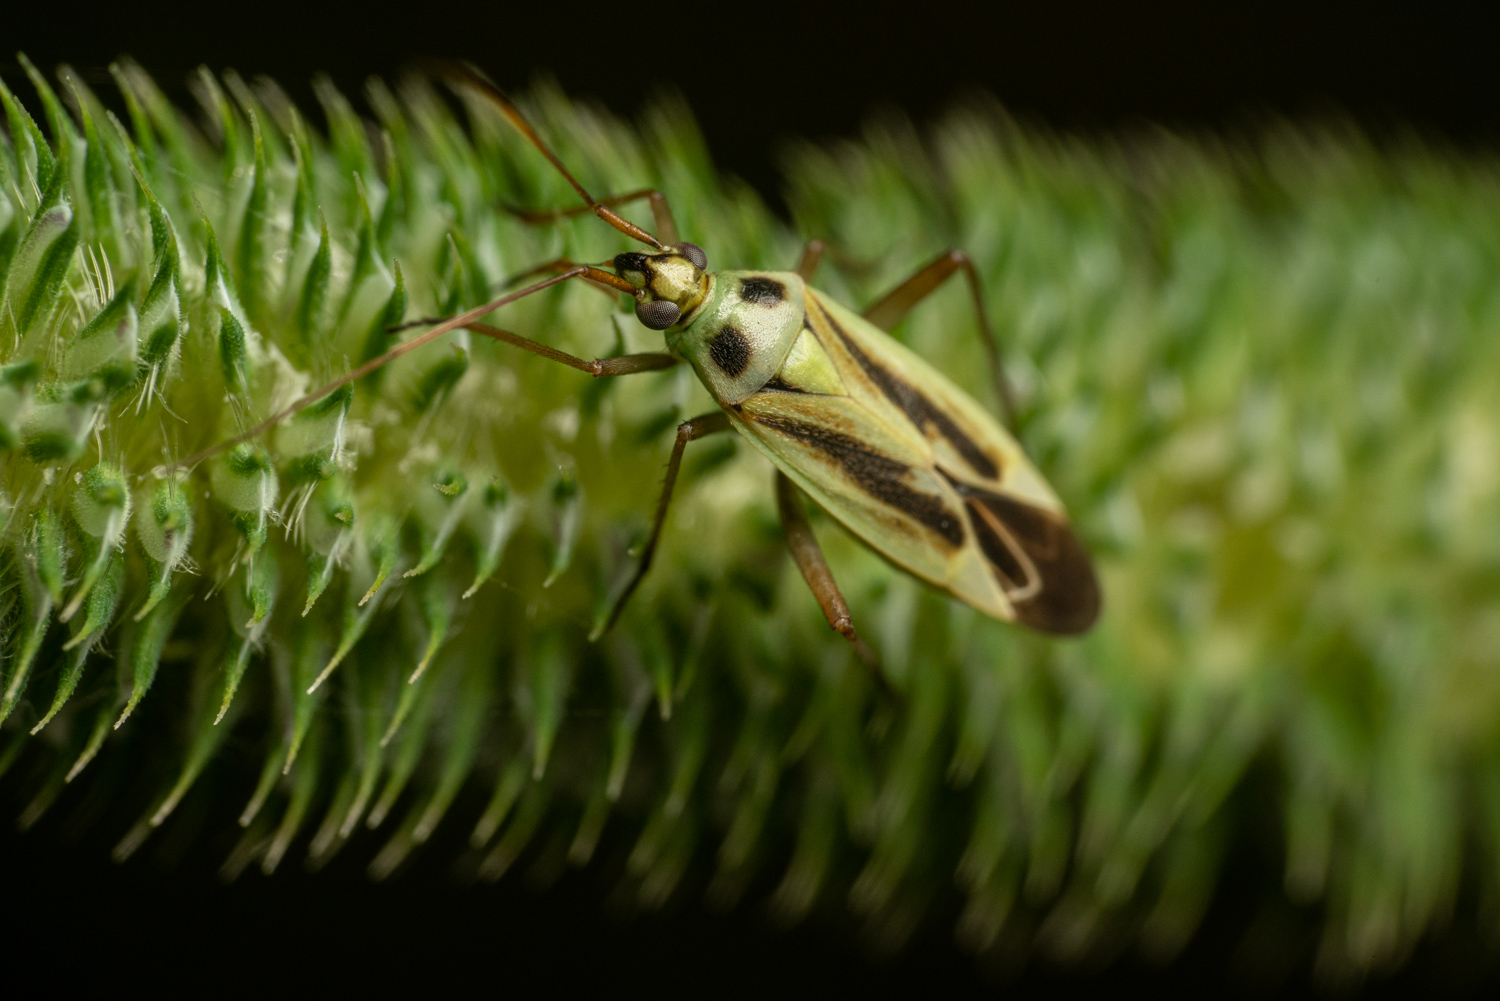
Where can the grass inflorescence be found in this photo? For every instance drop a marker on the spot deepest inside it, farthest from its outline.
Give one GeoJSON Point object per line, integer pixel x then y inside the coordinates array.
{"type": "Point", "coordinates": [1264, 376]}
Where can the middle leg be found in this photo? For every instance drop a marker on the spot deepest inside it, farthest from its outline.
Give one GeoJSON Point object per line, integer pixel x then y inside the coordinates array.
{"type": "Point", "coordinates": [899, 301]}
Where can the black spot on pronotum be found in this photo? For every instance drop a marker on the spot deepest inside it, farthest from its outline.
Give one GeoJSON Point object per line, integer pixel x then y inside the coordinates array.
{"type": "Point", "coordinates": [878, 475]}
{"type": "Point", "coordinates": [762, 291]}
{"type": "Point", "coordinates": [730, 351]}
{"type": "Point", "coordinates": [918, 408]}
{"type": "Point", "coordinates": [1066, 598]}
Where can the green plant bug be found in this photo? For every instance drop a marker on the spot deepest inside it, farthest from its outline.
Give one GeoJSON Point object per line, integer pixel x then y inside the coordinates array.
{"type": "Point", "coordinates": [886, 444]}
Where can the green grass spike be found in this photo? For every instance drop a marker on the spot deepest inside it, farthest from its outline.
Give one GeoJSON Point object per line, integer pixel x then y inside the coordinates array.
{"type": "Point", "coordinates": [144, 654]}
{"type": "Point", "coordinates": [102, 601]}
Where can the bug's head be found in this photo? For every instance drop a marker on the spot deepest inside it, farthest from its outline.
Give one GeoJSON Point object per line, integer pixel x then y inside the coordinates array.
{"type": "Point", "coordinates": [669, 285]}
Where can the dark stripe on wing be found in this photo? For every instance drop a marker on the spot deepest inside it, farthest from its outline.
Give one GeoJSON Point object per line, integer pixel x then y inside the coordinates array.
{"type": "Point", "coordinates": [1019, 539]}
{"type": "Point", "coordinates": [918, 408]}
{"type": "Point", "coordinates": [780, 385]}
{"type": "Point", "coordinates": [991, 534]}
{"type": "Point", "coordinates": [878, 475]}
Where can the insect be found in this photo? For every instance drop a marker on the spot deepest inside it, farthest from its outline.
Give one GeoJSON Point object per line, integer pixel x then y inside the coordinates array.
{"type": "Point", "coordinates": [880, 439]}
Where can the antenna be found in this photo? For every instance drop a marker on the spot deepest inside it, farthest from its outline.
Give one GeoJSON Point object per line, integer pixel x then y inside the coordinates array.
{"type": "Point", "coordinates": [458, 74]}
{"type": "Point", "coordinates": [464, 75]}
{"type": "Point", "coordinates": [452, 323]}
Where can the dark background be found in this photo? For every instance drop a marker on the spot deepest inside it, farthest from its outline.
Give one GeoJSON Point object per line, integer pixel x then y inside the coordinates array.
{"type": "Point", "coordinates": [754, 73]}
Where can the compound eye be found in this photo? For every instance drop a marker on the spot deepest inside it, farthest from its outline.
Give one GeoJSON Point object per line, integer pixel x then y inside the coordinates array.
{"type": "Point", "coordinates": [694, 253]}
{"type": "Point", "coordinates": [658, 315]}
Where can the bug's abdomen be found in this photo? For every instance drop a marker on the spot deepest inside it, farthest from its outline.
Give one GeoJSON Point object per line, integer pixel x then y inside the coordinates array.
{"type": "Point", "coordinates": [912, 466]}
{"type": "Point", "coordinates": [878, 482]}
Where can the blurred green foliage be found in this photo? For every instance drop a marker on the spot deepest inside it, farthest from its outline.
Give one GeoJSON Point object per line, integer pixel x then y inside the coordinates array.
{"type": "Point", "coordinates": [1263, 374]}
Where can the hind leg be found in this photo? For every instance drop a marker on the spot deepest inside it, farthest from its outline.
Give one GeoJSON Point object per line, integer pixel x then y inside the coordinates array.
{"type": "Point", "coordinates": [894, 306]}
{"type": "Point", "coordinates": [808, 556]}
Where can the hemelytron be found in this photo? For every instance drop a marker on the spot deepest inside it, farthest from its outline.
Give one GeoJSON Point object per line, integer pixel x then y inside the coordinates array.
{"type": "Point", "coordinates": [882, 441]}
